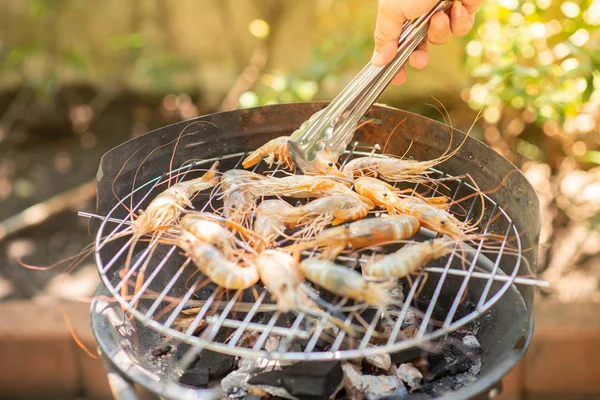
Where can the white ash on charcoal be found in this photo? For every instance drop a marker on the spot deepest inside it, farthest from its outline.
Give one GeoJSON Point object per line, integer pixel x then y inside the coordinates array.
{"type": "Point", "coordinates": [236, 384]}
{"type": "Point", "coordinates": [379, 387]}
{"type": "Point", "coordinates": [471, 342]}
{"type": "Point", "coordinates": [410, 375]}
{"type": "Point", "coordinates": [381, 361]}
{"type": "Point", "coordinates": [422, 372]}
{"type": "Point", "coordinates": [352, 381]}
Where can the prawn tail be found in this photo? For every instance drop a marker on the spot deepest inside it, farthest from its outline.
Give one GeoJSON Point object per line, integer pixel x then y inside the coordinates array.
{"type": "Point", "coordinates": [211, 174]}
{"type": "Point", "coordinates": [254, 158]}
{"type": "Point", "coordinates": [377, 295]}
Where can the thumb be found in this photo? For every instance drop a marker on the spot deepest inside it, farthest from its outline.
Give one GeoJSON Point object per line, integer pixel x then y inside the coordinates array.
{"type": "Point", "coordinates": [387, 30]}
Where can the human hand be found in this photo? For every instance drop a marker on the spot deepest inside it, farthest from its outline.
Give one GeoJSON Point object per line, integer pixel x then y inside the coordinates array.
{"type": "Point", "coordinates": [391, 14]}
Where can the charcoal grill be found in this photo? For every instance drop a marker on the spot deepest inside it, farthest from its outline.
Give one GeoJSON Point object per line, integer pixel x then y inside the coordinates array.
{"type": "Point", "coordinates": [499, 284]}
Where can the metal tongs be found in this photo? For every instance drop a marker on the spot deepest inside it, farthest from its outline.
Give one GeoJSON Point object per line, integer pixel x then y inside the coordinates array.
{"type": "Point", "coordinates": [332, 128]}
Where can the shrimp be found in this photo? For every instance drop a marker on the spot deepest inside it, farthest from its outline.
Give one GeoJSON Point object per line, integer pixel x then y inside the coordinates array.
{"type": "Point", "coordinates": [363, 233]}
{"type": "Point", "coordinates": [344, 282]}
{"type": "Point", "coordinates": [279, 273]}
{"type": "Point", "coordinates": [436, 219]}
{"type": "Point", "coordinates": [340, 208]}
{"type": "Point", "coordinates": [276, 151]}
{"type": "Point", "coordinates": [408, 259]}
{"type": "Point", "coordinates": [303, 186]}
{"type": "Point", "coordinates": [271, 219]}
{"type": "Point", "coordinates": [238, 202]}
{"type": "Point", "coordinates": [167, 206]}
{"type": "Point", "coordinates": [386, 196]}
{"type": "Point", "coordinates": [210, 232]}
{"type": "Point", "coordinates": [163, 211]}
{"type": "Point", "coordinates": [395, 169]}
{"type": "Point", "coordinates": [212, 263]}
{"type": "Point", "coordinates": [431, 216]}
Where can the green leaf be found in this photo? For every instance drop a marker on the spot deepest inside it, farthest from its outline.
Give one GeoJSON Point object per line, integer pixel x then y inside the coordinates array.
{"type": "Point", "coordinates": [136, 40]}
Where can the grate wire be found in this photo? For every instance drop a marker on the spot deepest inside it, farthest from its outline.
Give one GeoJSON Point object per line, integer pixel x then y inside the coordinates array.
{"type": "Point", "coordinates": [258, 322]}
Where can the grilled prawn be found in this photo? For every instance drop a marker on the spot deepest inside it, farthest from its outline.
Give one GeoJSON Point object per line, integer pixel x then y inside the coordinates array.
{"type": "Point", "coordinates": [395, 169]}
{"type": "Point", "coordinates": [363, 233]}
{"type": "Point", "coordinates": [408, 259]}
{"type": "Point", "coordinates": [164, 211]}
{"type": "Point", "coordinates": [238, 202]}
{"type": "Point", "coordinates": [431, 213]}
{"type": "Point", "coordinates": [276, 152]}
{"type": "Point", "coordinates": [335, 209]}
{"type": "Point", "coordinates": [271, 219]}
{"type": "Point", "coordinates": [212, 263]}
{"type": "Point", "coordinates": [210, 232]}
{"type": "Point", "coordinates": [303, 186]}
{"type": "Point", "coordinates": [279, 273]}
{"type": "Point", "coordinates": [344, 281]}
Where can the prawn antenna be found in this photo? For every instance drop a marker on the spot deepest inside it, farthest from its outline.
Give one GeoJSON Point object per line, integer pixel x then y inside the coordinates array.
{"type": "Point", "coordinates": [391, 134]}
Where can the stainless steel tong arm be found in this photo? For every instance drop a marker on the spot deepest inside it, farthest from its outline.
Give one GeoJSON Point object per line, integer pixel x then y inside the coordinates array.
{"type": "Point", "coordinates": [333, 127]}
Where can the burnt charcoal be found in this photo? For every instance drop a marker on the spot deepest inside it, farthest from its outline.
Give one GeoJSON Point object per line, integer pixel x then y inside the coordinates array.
{"type": "Point", "coordinates": [405, 356]}
{"type": "Point", "coordinates": [195, 377]}
{"type": "Point", "coordinates": [306, 380]}
{"type": "Point", "coordinates": [464, 308]}
{"type": "Point", "coordinates": [215, 365]}
{"type": "Point", "coordinates": [439, 312]}
{"type": "Point", "coordinates": [218, 364]}
{"type": "Point", "coordinates": [438, 366]}
{"type": "Point", "coordinates": [451, 361]}
{"type": "Point", "coordinates": [369, 314]}
{"type": "Point", "coordinates": [161, 351]}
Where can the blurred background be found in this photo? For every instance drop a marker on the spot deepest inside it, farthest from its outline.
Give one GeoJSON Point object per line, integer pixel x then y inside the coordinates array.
{"type": "Point", "coordinates": [78, 78]}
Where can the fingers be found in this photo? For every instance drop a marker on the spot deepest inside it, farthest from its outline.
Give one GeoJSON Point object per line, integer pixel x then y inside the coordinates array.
{"type": "Point", "coordinates": [391, 14]}
{"type": "Point", "coordinates": [420, 57]}
{"type": "Point", "coordinates": [472, 5]}
{"type": "Point", "coordinates": [439, 28]}
{"type": "Point", "coordinates": [400, 76]}
{"type": "Point", "coordinates": [461, 21]}
{"type": "Point", "coordinates": [387, 30]}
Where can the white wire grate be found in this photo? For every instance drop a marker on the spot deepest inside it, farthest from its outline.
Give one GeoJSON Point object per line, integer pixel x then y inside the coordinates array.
{"type": "Point", "coordinates": [240, 324]}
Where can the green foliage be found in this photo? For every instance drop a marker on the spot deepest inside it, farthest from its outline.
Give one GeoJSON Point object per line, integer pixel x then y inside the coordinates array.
{"type": "Point", "coordinates": [541, 56]}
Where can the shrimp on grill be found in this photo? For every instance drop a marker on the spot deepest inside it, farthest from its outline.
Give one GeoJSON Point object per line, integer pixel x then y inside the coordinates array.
{"type": "Point", "coordinates": [336, 209]}
{"type": "Point", "coordinates": [431, 216]}
{"type": "Point", "coordinates": [167, 206]}
{"type": "Point", "coordinates": [281, 276]}
{"type": "Point", "coordinates": [408, 259]}
{"type": "Point", "coordinates": [386, 196]}
{"type": "Point", "coordinates": [344, 281]}
{"type": "Point", "coordinates": [238, 202]}
{"type": "Point", "coordinates": [395, 169]}
{"type": "Point", "coordinates": [164, 211]}
{"type": "Point", "coordinates": [213, 263]}
{"type": "Point", "coordinates": [437, 219]}
{"type": "Point", "coordinates": [363, 233]}
{"type": "Point", "coordinates": [271, 219]}
{"type": "Point", "coordinates": [210, 232]}
{"type": "Point", "coordinates": [277, 151]}
{"type": "Point", "coordinates": [274, 151]}
{"type": "Point", "coordinates": [303, 186]}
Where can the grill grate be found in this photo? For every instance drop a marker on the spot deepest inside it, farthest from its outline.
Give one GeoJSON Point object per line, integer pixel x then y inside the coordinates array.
{"type": "Point", "coordinates": [239, 324]}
